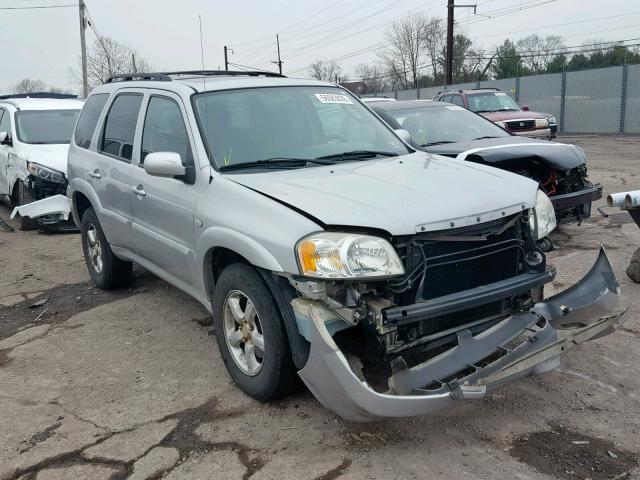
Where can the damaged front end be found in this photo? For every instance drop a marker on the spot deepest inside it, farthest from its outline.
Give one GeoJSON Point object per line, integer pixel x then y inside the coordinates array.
{"type": "Point", "coordinates": [467, 317]}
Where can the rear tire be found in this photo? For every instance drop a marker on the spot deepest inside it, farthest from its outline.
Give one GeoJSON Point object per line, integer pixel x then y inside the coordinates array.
{"type": "Point", "coordinates": [245, 317]}
{"type": "Point", "coordinates": [23, 196]}
{"type": "Point", "coordinates": [107, 271]}
{"type": "Point", "coordinates": [633, 270]}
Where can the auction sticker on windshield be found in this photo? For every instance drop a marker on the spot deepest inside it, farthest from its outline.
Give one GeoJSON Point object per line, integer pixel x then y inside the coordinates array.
{"type": "Point", "coordinates": [333, 98]}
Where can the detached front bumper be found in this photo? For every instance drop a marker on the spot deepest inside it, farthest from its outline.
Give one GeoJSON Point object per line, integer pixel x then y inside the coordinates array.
{"type": "Point", "coordinates": [583, 312]}
{"type": "Point", "coordinates": [575, 206]}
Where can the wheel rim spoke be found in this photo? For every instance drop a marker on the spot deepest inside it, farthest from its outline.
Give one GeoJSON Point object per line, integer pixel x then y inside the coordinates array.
{"type": "Point", "coordinates": [257, 340]}
{"type": "Point", "coordinates": [250, 357]}
{"type": "Point", "coordinates": [250, 313]}
{"type": "Point", "coordinates": [235, 338]}
{"type": "Point", "coordinates": [236, 309]}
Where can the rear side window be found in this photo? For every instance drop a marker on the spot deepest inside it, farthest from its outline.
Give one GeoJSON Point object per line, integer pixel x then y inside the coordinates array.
{"type": "Point", "coordinates": [120, 126]}
{"type": "Point", "coordinates": [89, 119]}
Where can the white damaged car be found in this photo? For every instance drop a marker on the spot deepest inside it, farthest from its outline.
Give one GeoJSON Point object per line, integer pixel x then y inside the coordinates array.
{"type": "Point", "coordinates": [34, 142]}
{"type": "Point", "coordinates": [393, 282]}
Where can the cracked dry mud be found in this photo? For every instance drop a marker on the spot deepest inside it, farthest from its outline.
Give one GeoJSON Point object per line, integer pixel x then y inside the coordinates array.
{"type": "Point", "coordinates": [129, 384]}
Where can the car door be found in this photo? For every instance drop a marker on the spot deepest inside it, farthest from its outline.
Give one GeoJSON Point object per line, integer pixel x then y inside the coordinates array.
{"type": "Point", "coordinates": [163, 208]}
{"type": "Point", "coordinates": [110, 174]}
{"type": "Point", "coordinates": [6, 151]}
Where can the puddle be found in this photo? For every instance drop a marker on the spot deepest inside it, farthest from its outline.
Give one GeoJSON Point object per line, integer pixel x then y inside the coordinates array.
{"type": "Point", "coordinates": [570, 455]}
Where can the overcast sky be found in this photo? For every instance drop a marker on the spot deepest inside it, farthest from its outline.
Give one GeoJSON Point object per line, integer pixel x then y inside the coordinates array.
{"type": "Point", "coordinates": [44, 43]}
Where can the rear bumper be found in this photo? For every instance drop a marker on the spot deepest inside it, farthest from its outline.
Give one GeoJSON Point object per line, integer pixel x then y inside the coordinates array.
{"type": "Point", "coordinates": [575, 206]}
{"type": "Point", "coordinates": [580, 313]}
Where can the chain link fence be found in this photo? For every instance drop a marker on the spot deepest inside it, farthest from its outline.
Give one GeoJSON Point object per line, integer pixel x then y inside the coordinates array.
{"type": "Point", "coordinates": [603, 100]}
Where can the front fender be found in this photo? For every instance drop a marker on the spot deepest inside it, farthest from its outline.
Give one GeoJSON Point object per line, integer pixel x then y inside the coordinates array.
{"type": "Point", "coordinates": [79, 185]}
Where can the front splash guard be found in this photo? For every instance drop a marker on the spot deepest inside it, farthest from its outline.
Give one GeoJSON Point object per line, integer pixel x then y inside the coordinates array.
{"type": "Point", "coordinates": [582, 312]}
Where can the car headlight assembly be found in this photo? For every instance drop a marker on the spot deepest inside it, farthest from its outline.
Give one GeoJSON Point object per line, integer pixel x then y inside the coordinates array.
{"type": "Point", "coordinates": [552, 120]}
{"type": "Point", "coordinates": [542, 123]}
{"type": "Point", "coordinates": [45, 173]}
{"type": "Point", "coordinates": [346, 256]}
{"type": "Point", "coordinates": [501, 124]}
{"type": "Point", "coordinates": [542, 218]}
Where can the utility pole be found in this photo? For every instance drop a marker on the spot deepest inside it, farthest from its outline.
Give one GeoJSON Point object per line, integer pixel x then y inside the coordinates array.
{"type": "Point", "coordinates": [83, 49]}
{"type": "Point", "coordinates": [279, 62]}
{"type": "Point", "coordinates": [133, 61]}
{"type": "Point", "coordinates": [226, 59]}
{"type": "Point", "coordinates": [449, 67]}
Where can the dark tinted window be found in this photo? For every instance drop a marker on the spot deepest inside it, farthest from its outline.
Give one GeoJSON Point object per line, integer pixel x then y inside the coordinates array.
{"type": "Point", "coordinates": [89, 119]}
{"type": "Point", "coordinates": [5, 121]}
{"type": "Point", "coordinates": [120, 126]}
{"type": "Point", "coordinates": [164, 130]}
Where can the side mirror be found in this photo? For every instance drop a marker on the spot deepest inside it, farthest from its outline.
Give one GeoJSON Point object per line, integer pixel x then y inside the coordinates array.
{"type": "Point", "coordinates": [403, 134]}
{"type": "Point", "coordinates": [4, 138]}
{"type": "Point", "coordinates": [525, 108]}
{"type": "Point", "coordinates": [164, 164]}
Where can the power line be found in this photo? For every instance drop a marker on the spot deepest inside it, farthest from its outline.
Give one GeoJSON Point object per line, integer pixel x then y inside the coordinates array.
{"type": "Point", "coordinates": [39, 7]}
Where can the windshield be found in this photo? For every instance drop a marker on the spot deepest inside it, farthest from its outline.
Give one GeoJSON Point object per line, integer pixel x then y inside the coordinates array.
{"type": "Point", "coordinates": [45, 126]}
{"type": "Point", "coordinates": [444, 124]}
{"type": "Point", "coordinates": [289, 124]}
{"type": "Point", "coordinates": [491, 102]}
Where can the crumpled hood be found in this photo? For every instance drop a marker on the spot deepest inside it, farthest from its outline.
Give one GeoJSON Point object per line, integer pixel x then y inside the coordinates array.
{"type": "Point", "coordinates": [401, 195]}
{"type": "Point", "coordinates": [514, 150]}
{"type": "Point", "coordinates": [52, 156]}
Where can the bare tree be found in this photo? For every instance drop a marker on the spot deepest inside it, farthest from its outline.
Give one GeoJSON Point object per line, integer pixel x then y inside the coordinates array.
{"type": "Point", "coordinates": [538, 52]}
{"type": "Point", "coordinates": [326, 70]}
{"type": "Point", "coordinates": [434, 41]}
{"type": "Point", "coordinates": [405, 48]}
{"type": "Point", "coordinates": [29, 85]}
{"type": "Point", "coordinates": [372, 76]}
{"type": "Point", "coordinates": [108, 57]}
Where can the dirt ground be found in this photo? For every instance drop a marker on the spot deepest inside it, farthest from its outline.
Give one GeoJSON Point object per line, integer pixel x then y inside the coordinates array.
{"type": "Point", "coordinates": [129, 384]}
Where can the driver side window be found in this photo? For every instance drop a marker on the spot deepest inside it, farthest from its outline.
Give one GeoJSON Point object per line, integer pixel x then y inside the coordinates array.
{"type": "Point", "coordinates": [165, 131]}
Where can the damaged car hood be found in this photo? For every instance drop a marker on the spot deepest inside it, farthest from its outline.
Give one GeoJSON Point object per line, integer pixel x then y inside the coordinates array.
{"type": "Point", "coordinates": [514, 150]}
{"type": "Point", "coordinates": [401, 195]}
{"type": "Point", "coordinates": [52, 156]}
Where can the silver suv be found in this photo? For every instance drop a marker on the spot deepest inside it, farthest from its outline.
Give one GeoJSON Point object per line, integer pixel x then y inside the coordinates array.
{"type": "Point", "coordinates": [393, 282]}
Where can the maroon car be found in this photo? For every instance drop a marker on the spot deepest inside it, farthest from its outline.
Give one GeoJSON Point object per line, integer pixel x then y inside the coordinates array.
{"type": "Point", "coordinates": [501, 109]}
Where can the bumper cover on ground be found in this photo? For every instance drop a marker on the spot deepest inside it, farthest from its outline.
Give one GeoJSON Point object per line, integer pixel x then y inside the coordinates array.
{"type": "Point", "coordinates": [583, 312]}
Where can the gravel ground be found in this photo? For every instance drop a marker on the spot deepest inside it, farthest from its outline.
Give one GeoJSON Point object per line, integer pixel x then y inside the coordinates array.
{"type": "Point", "coordinates": [129, 384]}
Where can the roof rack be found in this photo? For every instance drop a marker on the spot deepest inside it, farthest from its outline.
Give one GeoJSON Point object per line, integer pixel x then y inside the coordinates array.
{"type": "Point", "coordinates": [448, 91]}
{"type": "Point", "coordinates": [486, 88]}
{"type": "Point", "coordinates": [166, 76]}
{"type": "Point", "coordinates": [38, 95]}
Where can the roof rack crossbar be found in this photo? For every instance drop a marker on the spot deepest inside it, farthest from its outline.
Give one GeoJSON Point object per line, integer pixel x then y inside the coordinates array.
{"type": "Point", "coordinates": [166, 76]}
{"type": "Point", "coordinates": [131, 77]}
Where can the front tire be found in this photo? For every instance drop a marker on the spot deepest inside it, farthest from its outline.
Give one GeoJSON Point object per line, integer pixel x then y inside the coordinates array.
{"type": "Point", "coordinates": [23, 196]}
{"type": "Point", "coordinates": [251, 335]}
{"type": "Point", "coordinates": [107, 271]}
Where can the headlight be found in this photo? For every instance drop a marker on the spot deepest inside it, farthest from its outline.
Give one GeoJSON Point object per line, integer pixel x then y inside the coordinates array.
{"type": "Point", "coordinates": [542, 123]}
{"type": "Point", "coordinates": [346, 256]}
{"type": "Point", "coordinates": [542, 218]}
{"type": "Point", "coordinates": [501, 124]}
{"type": "Point", "coordinates": [45, 173]}
{"type": "Point", "coordinates": [552, 120]}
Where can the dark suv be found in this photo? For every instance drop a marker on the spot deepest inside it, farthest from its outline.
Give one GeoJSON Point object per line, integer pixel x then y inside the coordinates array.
{"type": "Point", "coordinates": [501, 109]}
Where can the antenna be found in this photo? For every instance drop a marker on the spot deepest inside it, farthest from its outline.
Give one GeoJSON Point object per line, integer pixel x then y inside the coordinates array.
{"type": "Point", "coordinates": [201, 50]}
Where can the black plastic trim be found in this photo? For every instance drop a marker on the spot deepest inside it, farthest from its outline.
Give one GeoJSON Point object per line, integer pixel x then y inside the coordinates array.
{"type": "Point", "coordinates": [467, 299]}
{"type": "Point", "coordinates": [573, 199]}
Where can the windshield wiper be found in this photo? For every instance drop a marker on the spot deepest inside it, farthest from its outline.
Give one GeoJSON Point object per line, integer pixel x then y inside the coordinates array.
{"type": "Point", "coordinates": [357, 155]}
{"type": "Point", "coordinates": [485, 111]}
{"type": "Point", "coordinates": [439, 142]}
{"type": "Point", "coordinates": [275, 162]}
{"type": "Point", "coordinates": [485, 137]}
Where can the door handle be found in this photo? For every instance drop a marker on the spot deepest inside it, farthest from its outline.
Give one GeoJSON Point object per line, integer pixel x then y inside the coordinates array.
{"type": "Point", "coordinates": [138, 191]}
{"type": "Point", "coordinates": [95, 174]}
